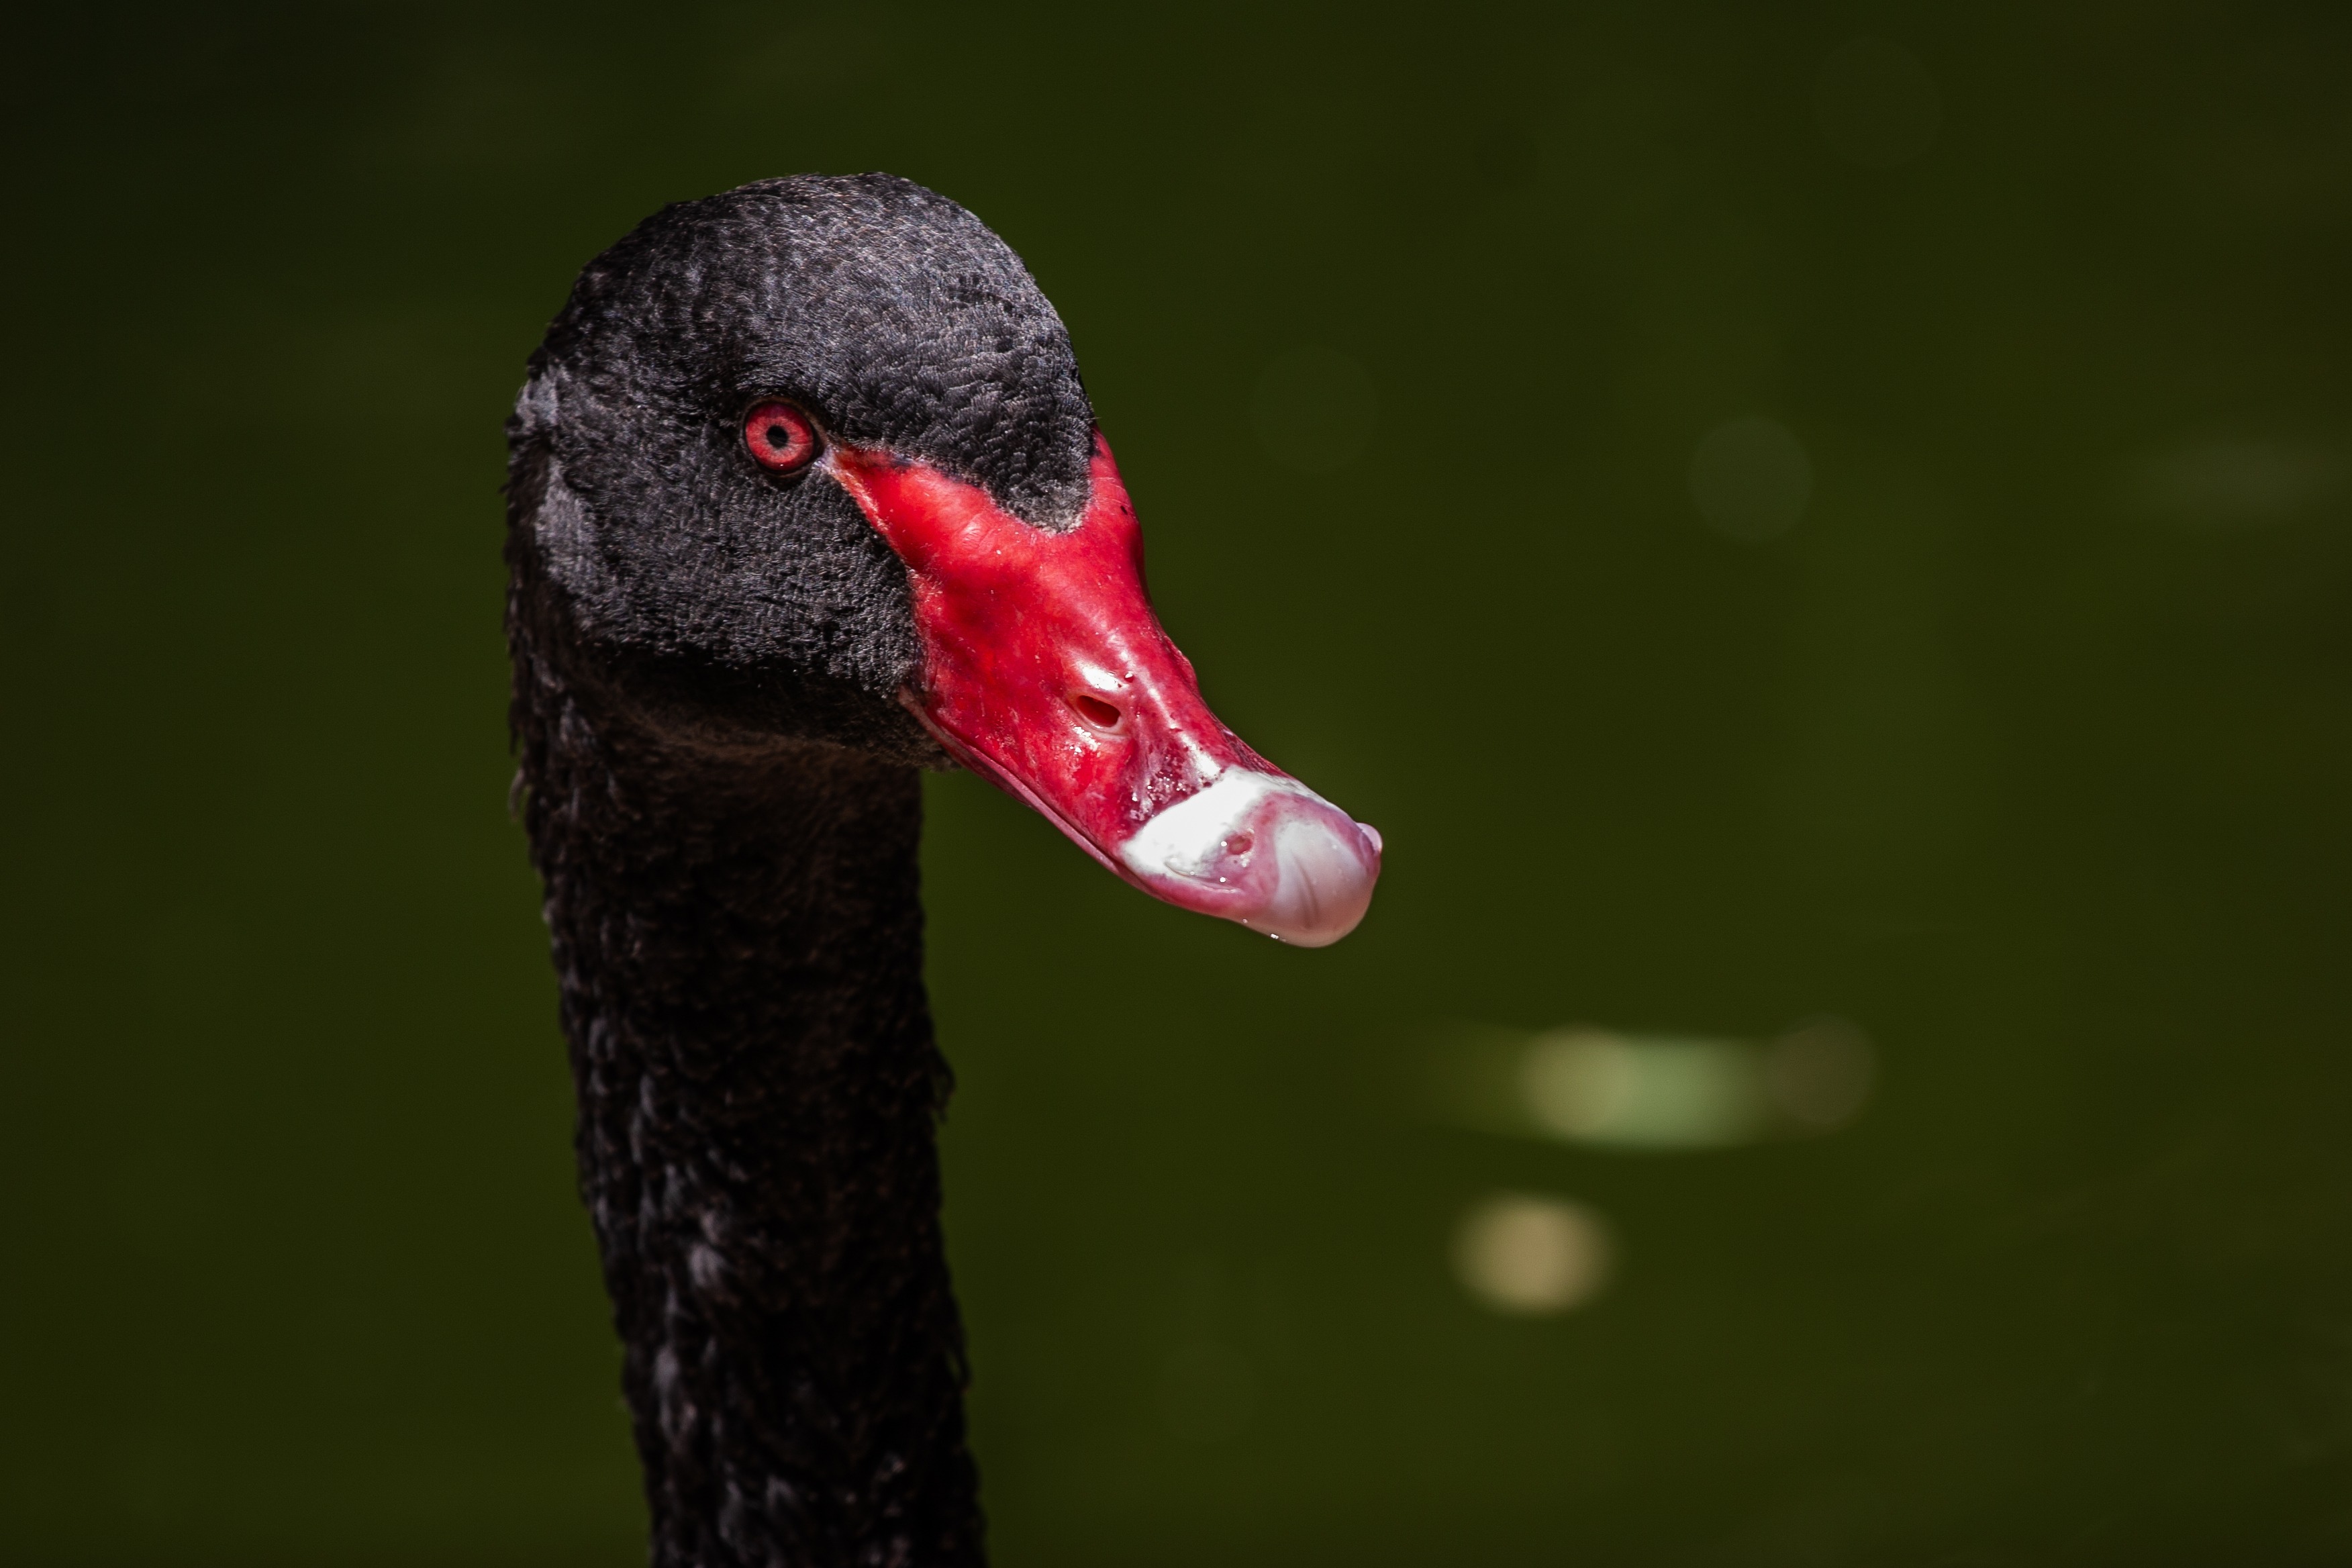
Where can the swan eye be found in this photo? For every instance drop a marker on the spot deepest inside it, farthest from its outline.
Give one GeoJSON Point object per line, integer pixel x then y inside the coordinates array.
{"type": "Point", "coordinates": [781, 436]}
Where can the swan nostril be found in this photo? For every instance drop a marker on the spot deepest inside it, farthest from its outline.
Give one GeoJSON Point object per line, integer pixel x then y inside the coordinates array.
{"type": "Point", "coordinates": [1095, 711]}
{"type": "Point", "coordinates": [1240, 844]}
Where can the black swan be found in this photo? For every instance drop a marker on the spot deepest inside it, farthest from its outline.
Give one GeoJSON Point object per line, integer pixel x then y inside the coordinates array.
{"type": "Point", "coordinates": [805, 495]}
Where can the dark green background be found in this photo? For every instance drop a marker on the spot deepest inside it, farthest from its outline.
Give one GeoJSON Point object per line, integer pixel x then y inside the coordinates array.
{"type": "Point", "coordinates": [2026, 749]}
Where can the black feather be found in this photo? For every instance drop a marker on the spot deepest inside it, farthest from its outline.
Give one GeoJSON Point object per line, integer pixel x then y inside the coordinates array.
{"type": "Point", "coordinates": [720, 792]}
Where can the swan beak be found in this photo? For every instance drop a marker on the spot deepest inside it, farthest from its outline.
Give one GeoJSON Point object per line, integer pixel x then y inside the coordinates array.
{"type": "Point", "coordinates": [1263, 849]}
{"type": "Point", "coordinates": [1046, 671]}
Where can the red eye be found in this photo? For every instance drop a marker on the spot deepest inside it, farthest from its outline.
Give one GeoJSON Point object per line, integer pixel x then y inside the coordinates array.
{"type": "Point", "coordinates": [780, 437]}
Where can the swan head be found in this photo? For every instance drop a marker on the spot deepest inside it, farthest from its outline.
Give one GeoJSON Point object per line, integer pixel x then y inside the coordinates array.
{"type": "Point", "coordinates": [811, 460]}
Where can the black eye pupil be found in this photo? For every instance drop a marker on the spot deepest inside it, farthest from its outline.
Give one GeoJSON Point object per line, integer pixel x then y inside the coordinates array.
{"type": "Point", "coordinates": [780, 435]}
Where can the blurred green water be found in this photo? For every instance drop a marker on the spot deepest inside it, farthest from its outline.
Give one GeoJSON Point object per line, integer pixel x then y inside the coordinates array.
{"type": "Point", "coordinates": [2023, 746]}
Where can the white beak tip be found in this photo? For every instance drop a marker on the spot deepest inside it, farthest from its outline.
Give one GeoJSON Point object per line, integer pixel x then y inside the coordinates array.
{"type": "Point", "coordinates": [1265, 851]}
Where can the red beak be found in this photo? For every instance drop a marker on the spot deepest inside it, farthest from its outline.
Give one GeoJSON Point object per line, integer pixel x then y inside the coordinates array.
{"type": "Point", "coordinates": [1045, 670]}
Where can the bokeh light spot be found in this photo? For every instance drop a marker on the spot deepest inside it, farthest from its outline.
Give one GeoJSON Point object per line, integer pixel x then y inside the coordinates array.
{"type": "Point", "coordinates": [1579, 1082]}
{"type": "Point", "coordinates": [1820, 1073]}
{"type": "Point", "coordinates": [1750, 478]}
{"type": "Point", "coordinates": [2237, 482]}
{"type": "Point", "coordinates": [1604, 1089]}
{"type": "Point", "coordinates": [1592, 1087]}
{"type": "Point", "coordinates": [1530, 1256]}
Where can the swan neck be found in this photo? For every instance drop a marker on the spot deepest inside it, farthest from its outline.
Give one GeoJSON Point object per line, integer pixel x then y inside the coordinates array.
{"type": "Point", "coordinates": [739, 939]}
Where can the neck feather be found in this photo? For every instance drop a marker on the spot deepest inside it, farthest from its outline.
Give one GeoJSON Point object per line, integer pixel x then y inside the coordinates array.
{"type": "Point", "coordinates": [739, 939]}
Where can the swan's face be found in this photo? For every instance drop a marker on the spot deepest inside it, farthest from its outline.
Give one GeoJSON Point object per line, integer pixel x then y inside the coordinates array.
{"type": "Point", "coordinates": [813, 459]}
